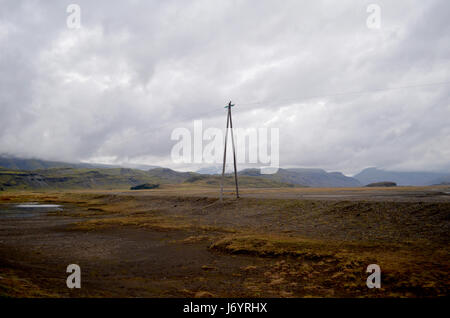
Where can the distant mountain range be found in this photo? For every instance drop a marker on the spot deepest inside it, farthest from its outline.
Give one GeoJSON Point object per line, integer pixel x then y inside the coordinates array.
{"type": "Point", "coordinates": [116, 178]}
{"type": "Point", "coordinates": [18, 173]}
{"type": "Point", "coordinates": [35, 164]}
{"type": "Point", "coordinates": [211, 170]}
{"type": "Point", "coordinates": [306, 177]}
{"type": "Point", "coordinates": [372, 175]}
{"type": "Point", "coordinates": [26, 174]}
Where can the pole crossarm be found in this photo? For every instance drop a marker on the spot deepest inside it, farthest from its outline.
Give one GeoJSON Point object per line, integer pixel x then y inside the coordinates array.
{"type": "Point", "coordinates": [229, 105]}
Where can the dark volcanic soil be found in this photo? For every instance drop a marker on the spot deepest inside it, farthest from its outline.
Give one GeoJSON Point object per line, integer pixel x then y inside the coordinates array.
{"type": "Point", "coordinates": [123, 261]}
{"type": "Point", "coordinates": [148, 245]}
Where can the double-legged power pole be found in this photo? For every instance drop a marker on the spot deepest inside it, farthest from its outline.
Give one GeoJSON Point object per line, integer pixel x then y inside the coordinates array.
{"type": "Point", "coordinates": [229, 125]}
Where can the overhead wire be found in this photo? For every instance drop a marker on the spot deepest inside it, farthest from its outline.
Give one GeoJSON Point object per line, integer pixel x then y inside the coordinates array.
{"type": "Point", "coordinates": [293, 99]}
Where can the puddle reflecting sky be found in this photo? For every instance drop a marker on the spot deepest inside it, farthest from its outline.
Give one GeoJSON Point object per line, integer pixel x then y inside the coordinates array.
{"type": "Point", "coordinates": [26, 210]}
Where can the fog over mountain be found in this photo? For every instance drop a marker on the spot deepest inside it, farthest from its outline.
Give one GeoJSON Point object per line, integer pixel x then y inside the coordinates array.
{"type": "Point", "coordinates": [420, 178]}
{"type": "Point", "coordinates": [344, 96]}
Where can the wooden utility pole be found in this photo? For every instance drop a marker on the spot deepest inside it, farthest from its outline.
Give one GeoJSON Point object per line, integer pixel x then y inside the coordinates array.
{"type": "Point", "coordinates": [229, 125]}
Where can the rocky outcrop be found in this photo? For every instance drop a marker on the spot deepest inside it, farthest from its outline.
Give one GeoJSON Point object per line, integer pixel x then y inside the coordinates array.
{"type": "Point", "coordinates": [382, 184]}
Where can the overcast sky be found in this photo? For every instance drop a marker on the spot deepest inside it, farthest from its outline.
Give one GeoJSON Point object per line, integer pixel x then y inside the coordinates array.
{"type": "Point", "coordinates": [113, 90]}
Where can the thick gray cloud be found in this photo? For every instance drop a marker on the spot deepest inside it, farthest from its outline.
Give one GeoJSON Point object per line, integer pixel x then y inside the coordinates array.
{"type": "Point", "coordinates": [114, 89]}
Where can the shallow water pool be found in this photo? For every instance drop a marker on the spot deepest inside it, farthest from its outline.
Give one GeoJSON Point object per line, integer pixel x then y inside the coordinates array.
{"type": "Point", "coordinates": [26, 210]}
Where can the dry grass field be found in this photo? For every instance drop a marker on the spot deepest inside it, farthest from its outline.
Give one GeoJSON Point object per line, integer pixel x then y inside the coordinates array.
{"type": "Point", "coordinates": [183, 242]}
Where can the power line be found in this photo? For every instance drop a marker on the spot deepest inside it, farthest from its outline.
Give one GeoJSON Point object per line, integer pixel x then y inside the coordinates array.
{"type": "Point", "coordinates": [281, 101]}
{"type": "Point", "coordinates": [345, 93]}
{"type": "Point", "coordinates": [296, 99]}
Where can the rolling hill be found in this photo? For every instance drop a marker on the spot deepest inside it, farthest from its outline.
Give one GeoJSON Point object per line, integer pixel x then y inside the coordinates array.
{"type": "Point", "coordinates": [70, 178]}
{"type": "Point", "coordinates": [18, 173]}
{"type": "Point", "coordinates": [115, 178]}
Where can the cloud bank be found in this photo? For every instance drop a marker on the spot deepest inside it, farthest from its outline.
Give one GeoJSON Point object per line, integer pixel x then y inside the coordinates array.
{"type": "Point", "coordinates": [344, 96]}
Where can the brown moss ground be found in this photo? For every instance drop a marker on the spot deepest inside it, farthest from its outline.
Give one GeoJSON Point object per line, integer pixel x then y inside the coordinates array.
{"type": "Point", "coordinates": [299, 247]}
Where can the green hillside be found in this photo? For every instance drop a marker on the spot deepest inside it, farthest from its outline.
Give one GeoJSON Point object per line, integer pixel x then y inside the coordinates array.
{"type": "Point", "coordinates": [70, 178]}
{"type": "Point", "coordinates": [26, 174]}
{"type": "Point", "coordinates": [114, 178]}
{"type": "Point", "coordinates": [244, 181]}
